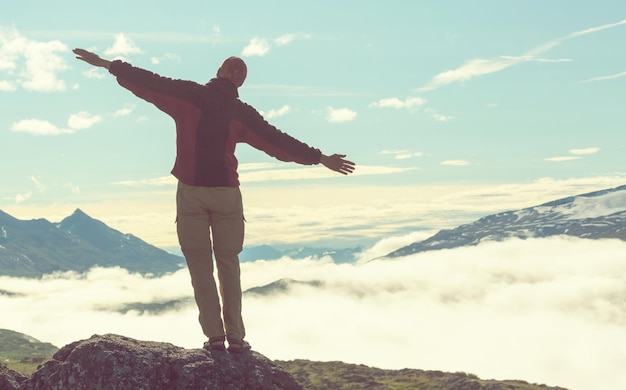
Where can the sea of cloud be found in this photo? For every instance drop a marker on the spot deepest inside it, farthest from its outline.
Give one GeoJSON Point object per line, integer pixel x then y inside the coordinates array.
{"type": "Point", "coordinates": [547, 311]}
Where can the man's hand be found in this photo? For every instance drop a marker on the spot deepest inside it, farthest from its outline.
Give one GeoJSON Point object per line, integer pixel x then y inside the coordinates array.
{"type": "Point", "coordinates": [337, 163]}
{"type": "Point", "coordinates": [91, 58]}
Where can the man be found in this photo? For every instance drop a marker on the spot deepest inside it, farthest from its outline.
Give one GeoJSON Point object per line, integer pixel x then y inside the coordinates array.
{"type": "Point", "coordinates": [210, 121]}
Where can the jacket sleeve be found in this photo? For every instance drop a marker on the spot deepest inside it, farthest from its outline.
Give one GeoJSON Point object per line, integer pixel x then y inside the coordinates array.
{"type": "Point", "coordinates": [259, 134]}
{"type": "Point", "coordinates": [169, 95]}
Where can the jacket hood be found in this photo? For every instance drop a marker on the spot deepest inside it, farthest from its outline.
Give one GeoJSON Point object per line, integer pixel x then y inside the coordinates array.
{"type": "Point", "coordinates": [225, 85]}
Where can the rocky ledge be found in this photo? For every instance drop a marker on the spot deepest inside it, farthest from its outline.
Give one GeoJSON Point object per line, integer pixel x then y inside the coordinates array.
{"type": "Point", "coordinates": [116, 362]}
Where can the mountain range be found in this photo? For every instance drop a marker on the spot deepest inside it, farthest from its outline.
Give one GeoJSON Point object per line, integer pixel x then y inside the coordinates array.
{"type": "Point", "coordinates": [77, 243]}
{"type": "Point", "coordinates": [594, 215]}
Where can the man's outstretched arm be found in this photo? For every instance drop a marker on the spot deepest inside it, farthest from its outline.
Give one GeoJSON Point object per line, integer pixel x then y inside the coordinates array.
{"type": "Point", "coordinates": [337, 163]}
{"type": "Point", "coordinates": [91, 58]}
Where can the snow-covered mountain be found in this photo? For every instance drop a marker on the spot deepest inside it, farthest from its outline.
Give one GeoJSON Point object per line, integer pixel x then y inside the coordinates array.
{"type": "Point", "coordinates": [600, 214]}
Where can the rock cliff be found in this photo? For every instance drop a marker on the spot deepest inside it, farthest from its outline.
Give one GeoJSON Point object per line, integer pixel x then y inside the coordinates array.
{"type": "Point", "coordinates": [116, 362]}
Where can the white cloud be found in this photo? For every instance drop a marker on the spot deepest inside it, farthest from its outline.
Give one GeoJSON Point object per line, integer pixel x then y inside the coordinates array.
{"type": "Point", "coordinates": [94, 73]}
{"type": "Point", "coordinates": [576, 152]}
{"type": "Point", "coordinates": [437, 116]}
{"type": "Point", "coordinates": [366, 170]}
{"type": "Point", "coordinates": [337, 115]}
{"type": "Point", "coordinates": [552, 59]}
{"type": "Point", "coordinates": [38, 184]}
{"type": "Point", "coordinates": [256, 47]}
{"type": "Point", "coordinates": [288, 38]}
{"type": "Point", "coordinates": [456, 163]}
{"type": "Point", "coordinates": [610, 77]}
{"type": "Point", "coordinates": [158, 181]}
{"type": "Point", "coordinates": [277, 112]}
{"type": "Point", "coordinates": [408, 103]}
{"type": "Point", "coordinates": [7, 86]}
{"type": "Point", "coordinates": [411, 103]}
{"type": "Point", "coordinates": [468, 71]}
{"type": "Point", "coordinates": [265, 172]}
{"type": "Point", "coordinates": [165, 57]}
{"type": "Point", "coordinates": [19, 198]}
{"type": "Point", "coordinates": [42, 66]}
{"type": "Point", "coordinates": [31, 64]}
{"type": "Point", "coordinates": [38, 127]}
{"type": "Point", "coordinates": [562, 158]}
{"type": "Point", "coordinates": [80, 121]}
{"type": "Point", "coordinates": [528, 58]}
{"type": "Point", "coordinates": [122, 47]}
{"type": "Point", "coordinates": [296, 173]}
{"type": "Point", "coordinates": [480, 67]}
{"type": "Point", "coordinates": [584, 151]}
{"type": "Point", "coordinates": [123, 112]}
{"type": "Point", "coordinates": [402, 154]}
{"type": "Point", "coordinates": [596, 29]}
{"type": "Point", "coordinates": [540, 307]}
{"type": "Point", "coordinates": [257, 166]}
{"type": "Point", "coordinates": [261, 46]}
{"type": "Point", "coordinates": [40, 187]}
{"type": "Point", "coordinates": [317, 172]}
{"type": "Point", "coordinates": [83, 120]}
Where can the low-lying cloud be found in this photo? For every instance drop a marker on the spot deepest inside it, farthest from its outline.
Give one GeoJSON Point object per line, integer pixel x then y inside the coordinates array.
{"type": "Point", "coordinates": [543, 310]}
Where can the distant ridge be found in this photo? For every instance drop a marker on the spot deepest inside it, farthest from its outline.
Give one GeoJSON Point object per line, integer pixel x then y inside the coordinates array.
{"type": "Point", "coordinates": [79, 242]}
{"type": "Point", "coordinates": [282, 286]}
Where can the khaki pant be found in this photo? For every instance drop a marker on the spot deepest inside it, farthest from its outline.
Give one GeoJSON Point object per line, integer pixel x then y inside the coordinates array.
{"type": "Point", "coordinates": [206, 214]}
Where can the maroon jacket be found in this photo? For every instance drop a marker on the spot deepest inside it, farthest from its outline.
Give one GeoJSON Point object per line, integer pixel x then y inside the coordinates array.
{"type": "Point", "coordinates": [210, 121]}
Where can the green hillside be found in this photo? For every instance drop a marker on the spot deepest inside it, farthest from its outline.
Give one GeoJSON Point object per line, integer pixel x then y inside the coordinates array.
{"type": "Point", "coordinates": [18, 347]}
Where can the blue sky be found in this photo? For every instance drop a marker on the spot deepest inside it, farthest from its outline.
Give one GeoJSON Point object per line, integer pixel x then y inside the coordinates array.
{"type": "Point", "coordinates": [451, 110]}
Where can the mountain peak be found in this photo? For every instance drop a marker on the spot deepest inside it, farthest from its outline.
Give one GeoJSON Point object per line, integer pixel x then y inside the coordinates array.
{"type": "Point", "coordinates": [79, 212]}
{"type": "Point", "coordinates": [77, 221]}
